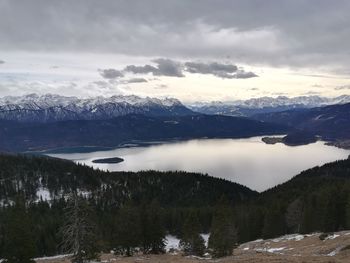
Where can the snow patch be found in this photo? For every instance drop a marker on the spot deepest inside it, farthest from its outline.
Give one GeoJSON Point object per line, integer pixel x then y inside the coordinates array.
{"type": "Point", "coordinates": [335, 252]}
{"type": "Point", "coordinates": [270, 250]}
{"type": "Point", "coordinates": [53, 257]}
{"type": "Point", "coordinates": [172, 243]}
{"type": "Point", "coordinates": [206, 239]}
{"type": "Point", "coordinates": [295, 237]}
{"type": "Point", "coordinates": [44, 194]}
{"type": "Point", "coordinates": [331, 237]}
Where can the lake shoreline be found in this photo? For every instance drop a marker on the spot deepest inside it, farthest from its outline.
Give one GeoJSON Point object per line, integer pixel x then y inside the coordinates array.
{"type": "Point", "coordinates": [245, 161]}
{"type": "Point", "coordinates": [131, 144]}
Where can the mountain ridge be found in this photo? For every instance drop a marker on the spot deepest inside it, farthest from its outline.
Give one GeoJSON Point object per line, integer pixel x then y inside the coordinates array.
{"type": "Point", "coordinates": [51, 107]}
{"type": "Point", "coordinates": [264, 105]}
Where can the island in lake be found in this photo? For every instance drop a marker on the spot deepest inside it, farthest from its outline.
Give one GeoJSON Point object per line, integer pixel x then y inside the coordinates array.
{"type": "Point", "coordinates": [109, 160]}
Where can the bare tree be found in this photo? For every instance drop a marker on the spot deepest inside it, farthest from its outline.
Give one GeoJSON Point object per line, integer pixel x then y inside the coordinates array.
{"type": "Point", "coordinates": [78, 234]}
{"type": "Point", "coordinates": [294, 215]}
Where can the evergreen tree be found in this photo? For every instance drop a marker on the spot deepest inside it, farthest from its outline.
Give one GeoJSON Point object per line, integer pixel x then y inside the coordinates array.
{"type": "Point", "coordinates": [19, 246]}
{"type": "Point", "coordinates": [223, 236]}
{"type": "Point", "coordinates": [348, 212]}
{"type": "Point", "coordinates": [153, 233]}
{"type": "Point", "coordinates": [274, 222]}
{"type": "Point", "coordinates": [79, 237]}
{"type": "Point", "coordinates": [294, 215]}
{"type": "Point", "coordinates": [331, 213]}
{"type": "Point", "coordinates": [192, 242]}
{"type": "Point", "coordinates": [128, 230]}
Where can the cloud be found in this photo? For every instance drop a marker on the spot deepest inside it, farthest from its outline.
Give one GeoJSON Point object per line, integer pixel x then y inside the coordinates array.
{"type": "Point", "coordinates": [210, 68]}
{"type": "Point", "coordinates": [110, 73]}
{"type": "Point", "coordinates": [164, 67]}
{"type": "Point", "coordinates": [278, 35]}
{"type": "Point", "coordinates": [141, 69]}
{"type": "Point", "coordinates": [311, 93]}
{"type": "Point", "coordinates": [344, 87]}
{"type": "Point", "coordinates": [228, 71]}
{"type": "Point", "coordinates": [2, 62]}
{"type": "Point", "coordinates": [244, 75]}
{"type": "Point", "coordinates": [171, 68]}
{"type": "Point", "coordinates": [136, 80]}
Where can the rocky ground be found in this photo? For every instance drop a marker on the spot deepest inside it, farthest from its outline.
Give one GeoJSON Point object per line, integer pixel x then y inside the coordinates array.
{"type": "Point", "coordinates": [335, 248]}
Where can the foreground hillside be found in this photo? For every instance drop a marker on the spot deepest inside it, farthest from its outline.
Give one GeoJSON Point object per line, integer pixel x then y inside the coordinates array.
{"type": "Point", "coordinates": [317, 200]}
{"type": "Point", "coordinates": [335, 247]}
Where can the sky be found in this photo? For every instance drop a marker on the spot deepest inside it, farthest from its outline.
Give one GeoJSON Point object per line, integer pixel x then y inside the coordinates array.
{"type": "Point", "coordinates": [194, 50]}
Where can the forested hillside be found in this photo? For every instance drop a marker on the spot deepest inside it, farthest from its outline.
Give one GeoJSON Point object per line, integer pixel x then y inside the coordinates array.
{"type": "Point", "coordinates": [151, 204]}
{"type": "Point", "coordinates": [317, 199]}
{"type": "Point", "coordinates": [330, 122]}
{"type": "Point", "coordinates": [17, 136]}
{"type": "Point", "coordinates": [46, 185]}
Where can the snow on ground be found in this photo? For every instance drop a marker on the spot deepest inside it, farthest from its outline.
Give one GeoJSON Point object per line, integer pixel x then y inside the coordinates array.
{"type": "Point", "coordinates": [85, 194]}
{"type": "Point", "coordinates": [44, 194]}
{"type": "Point", "coordinates": [53, 257]}
{"type": "Point", "coordinates": [335, 251]}
{"type": "Point", "coordinates": [295, 237]}
{"type": "Point", "coordinates": [172, 243]}
{"type": "Point", "coordinates": [331, 237]}
{"type": "Point", "coordinates": [270, 250]}
{"type": "Point", "coordinates": [206, 239]}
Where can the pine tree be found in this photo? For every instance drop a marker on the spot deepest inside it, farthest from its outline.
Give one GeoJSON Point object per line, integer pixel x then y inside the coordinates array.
{"type": "Point", "coordinates": [78, 233]}
{"type": "Point", "coordinates": [192, 243]}
{"type": "Point", "coordinates": [274, 222]}
{"type": "Point", "coordinates": [19, 245]}
{"type": "Point", "coordinates": [153, 233]}
{"type": "Point", "coordinates": [128, 230]}
{"type": "Point", "coordinates": [330, 223]}
{"type": "Point", "coordinates": [294, 215]}
{"type": "Point", "coordinates": [223, 236]}
{"type": "Point", "coordinates": [348, 212]}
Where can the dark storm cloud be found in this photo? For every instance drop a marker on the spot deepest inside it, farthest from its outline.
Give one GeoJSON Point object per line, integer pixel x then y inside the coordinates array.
{"type": "Point", "coordinates": [270, 32]}
{"type": "Point", "coordinates": [111, 73]}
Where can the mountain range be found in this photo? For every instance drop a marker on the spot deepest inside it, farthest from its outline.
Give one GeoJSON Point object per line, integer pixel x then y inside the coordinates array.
{"type": "Point", "coordinates": [264, 105]}
{"type": "Point", "coordinates": [51, 107]}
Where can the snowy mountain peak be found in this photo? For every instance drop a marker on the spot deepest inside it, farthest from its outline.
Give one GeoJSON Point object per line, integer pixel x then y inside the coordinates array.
{"type": "Point", "coordinates": [52, 107]}
{"type": "Point", "coordinates": [264, 104]}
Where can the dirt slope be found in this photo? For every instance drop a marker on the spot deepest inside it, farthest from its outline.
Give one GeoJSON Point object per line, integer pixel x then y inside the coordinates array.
{"type": "Point", "coordinates": [289, 249]}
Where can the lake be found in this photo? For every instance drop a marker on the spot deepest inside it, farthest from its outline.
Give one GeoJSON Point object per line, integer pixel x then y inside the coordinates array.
{"type": "Point", "coordinates": [250, 161]}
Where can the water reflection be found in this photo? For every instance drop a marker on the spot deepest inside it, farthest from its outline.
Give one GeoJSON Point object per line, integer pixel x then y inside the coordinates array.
{"type": "Point", "coordinates": [246, 161]}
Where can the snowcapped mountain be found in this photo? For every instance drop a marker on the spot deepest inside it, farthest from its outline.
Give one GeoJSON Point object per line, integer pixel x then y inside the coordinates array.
{"type": "Point", "coordinates": [51, 107]}
{"type": "Point", "coordinates": [264, 105]}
